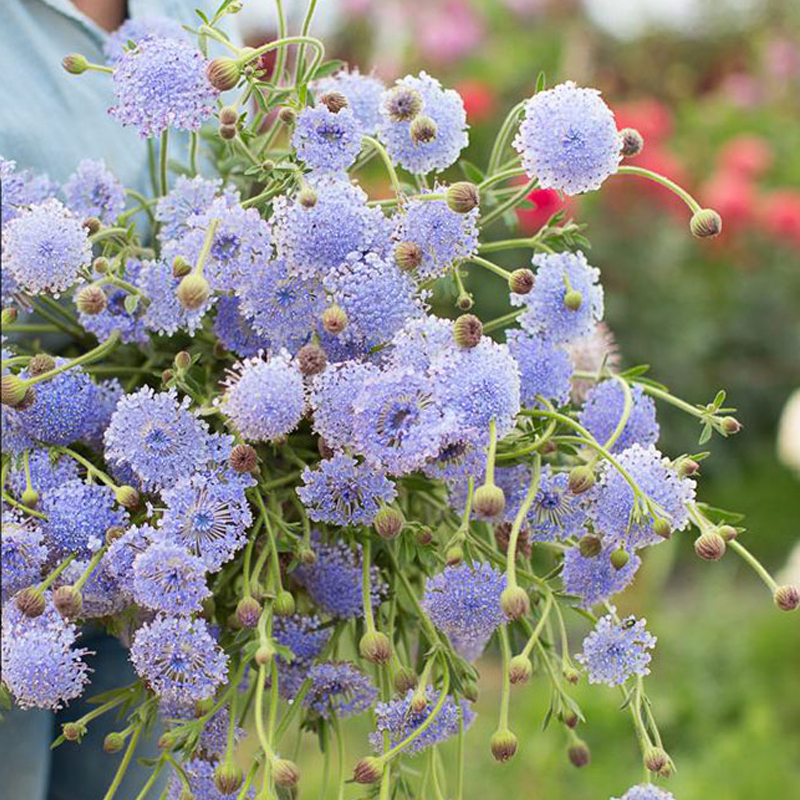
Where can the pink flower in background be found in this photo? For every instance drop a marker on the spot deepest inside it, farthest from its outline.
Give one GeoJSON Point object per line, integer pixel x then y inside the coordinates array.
{"type": "Point", "coordinates": [742, 90]}
{"type": "Point", "coordinates": [447, 31]}
{"type": "Point", "coordinates": [546, 202]}
{"type": "Point", "coordinates": [649, 116]}
{"type": "Point", "coordinates": [780, 215]}
{"type": "Point", "coordinates": [733, 196]}
{"type": "Point", "coordinates": [479, 99]}
{"type": "Point", "coordinates": [783, 58]}
{"type": "Point", "coordinates": [747, 155]}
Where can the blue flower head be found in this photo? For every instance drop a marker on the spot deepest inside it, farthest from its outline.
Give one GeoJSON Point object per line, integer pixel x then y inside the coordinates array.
{"type": "Point", "coordinates": [568, 139]}
{"type": "Point", "coordinates": [603, 410]}
{"type": "Point", "coordinates": [235, 331]}
{"type": "Point", "coordinates": [545, 369]}
{"type": "Point", "coordinates": [594, 579]}
{"type": "Point", "coordinates": [166, 577]}
{"type": "Point", "coordinates": [101, 595]}
{"type": "Point", "coordinates": [188, 197]}
{"type": "Point", "coordinates": [162, 84]}
{"type": "Point", "coordinates": [164, 313]}
{"type": "Point", "coordinates": [646, 791]}
{"type": "Point", "coordinates": [137, 28]}
{"type": "Point", "coordinates": [444, 106]}
{"type": "Point", "coordinates": [22, 188]}
{"type": "Point", "coordinates": [340, 689]}
{"type": "Point", "coordinates": [94, 191]}
{"type": "Point", "coordinates": [200, 774]}
{"type": "Point", "coordinates": [556, 512]}
{"type": "Point", "coordinates": [363, 93]}
{"type": "Point", "coordinates": [305, 636]}
{"type": "Point", "coordinates": [22, 553]}
{"type": "Point", "coordinates": [326, 141]}
{"type": "Point", "coordinates": [545, 308]}
{"type": "Point", "coordinates": [46, 473]}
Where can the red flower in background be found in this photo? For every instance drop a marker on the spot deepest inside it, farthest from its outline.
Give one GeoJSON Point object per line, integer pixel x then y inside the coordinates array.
{"type": "Point", "coordinates": [479, 99]}
{"type": "Point", "coordinates": [780, 215]}
{"type": "Point", "coordinates": [546, 202]}
{"type": "Point", "coordinates": [746, 155]}
{"type": "Point", "coordinates": [733, 196]}
{"type": "Point", "coordinates": [649, 116]}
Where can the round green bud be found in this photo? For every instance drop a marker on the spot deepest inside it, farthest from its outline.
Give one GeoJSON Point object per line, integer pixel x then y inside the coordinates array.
{"type": "Point", "coordinates": [166, 376]}
{"type": "Point", "coordinates": [590, 545]}
{"type": "Point", "coordinates": [193, 291]}
{"type": "Point", "coordinates": [224, 73]}
{"type": "Point", "coordinates": [307, 197]}
{"type": "Point", "coordinates": [520, 669]}
{"type": "Point", "coordinates": [462, 197]}
{"type": "Point", "coordinates": [285, 772]}
{"type": "Point", "coordinates": [632, 142]}
{"type": "Point", "coordinates": [619, 558]}
{"type": "Point", "coordinates": [368, 770]}
{"type": "Point", "coordinates": [92, 225]}
{"type": "Point", "coordinates": [787, 597]}
{"type": "Point", "coordinates": [710, 546]}
{"type": "Point", "coordinates": [465, 301]}
{"type": "Point", "coordinates": [12, 390]}
{"type": "Point", "coordinates": [375, 647]}
{"type": "Point", "coordinates": [454, 555]}
{"type": "Point", "coordinates": [423, 129]}
{"type": "Point", "coordinates": [68, 601]}
{"type": "Point", "coordinates": [30, 497]}
{"type": "Point", "coordinates": [727, 532]}
{"type": "Point", "coordinates": [705, 223]}
{"type": "Point", "coordinates": [489, 501]}
{"type": "Point", "coordinates": [470, 690]}
{"type": "Point", "coordinates": [424, 537]}
{"type": "Point", "coordinates": [114, 742]}
{"type": "Point", "coordinates": [91, 300]}
{"type": "Point", "coordinates": [655, 759]}
{"type": "Point", "coordinates": [419, 700]}
{"type": "Point", "coordinates": [100, 265]}
{"type": "Point", "coordinates": [75, 63]}
{"type": "Point", "coordinates": [467, 331]}
{"type": "Point", "coordinates": [581, 479]}
{"type": "Point", "coordinates": [30, 602]}
{"type": "Point", "coordinates": [662, 528]}
{"type": "Point", "coordinates": [264, 654]}
{"type": "Point", "coordinates": [284, 604]}
{"type": "Point", "coordinates": [182, 360]}
{"type": "Point", "coordinates": [573, 300]}
{"type": "Point", "coordinates": [180, 267]}
{"type": "Point", "coordinates": [514, 602]}
{"type": "Point", "coordinates": [388, 523]}
{"type": "Point", "coordinates": [127, 496]}
{"type": "Point", "coordinates": [228, 777]}
{"type": "Point", "coordinates": [521, 281]}
{"type": "Point", "coordinates": [408, 256]}
{"type": "Point", "coordinates": [334, 319]}
{"type": "Point", "coordinates": [8, 316]}
{"type": "Point", "coordinates": [503, 745]}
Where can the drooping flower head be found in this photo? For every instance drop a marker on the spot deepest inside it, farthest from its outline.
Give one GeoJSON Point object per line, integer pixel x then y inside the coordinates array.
{"type": "Point", "coordinates": [614, 651]}
{"type": "Point", "coordinates": [547, 312]}
{"type": "Point", "coordinates": [167, 577]}
{"type": "Point", "coordinates": [41, 666]}
{"type": "Point", "coordinates": [340, 491]}
{"type": "Point", "coordinates": [611, 499]}
{"type": "Point", "coordinates": [315, 239]}
{"type": "Point", "coordinates": [135, 29]}
{"type": "Point", "coordinates": [235, 331]}
{"type": "Point", "coordinates": [443, 236]}
{"type": "Point", "coordinates": [178, 658]}
{"type": "Point", "coordinates": [464, 602]}
{"type": "Point", "coordinates": [446, 119]}
{"type": "Point", "coordinates": [340, 689]}
{"type": "Point", "coordinates": [281, 308]}
{"type": "Point", "coordinates": [377, 297]}
{"type": "Point", "coordinates": [594, 579]}
{"type": "Point", "coordinates": [264, 398]}
{"type": "Point", "coordinates": [334, 580]}
{"type": "Point", "coordinates": [208, 515]}
{"type": "Point", "coordinates": [94, 191]}
{"type": "Point", "coordinates": [22, 553]}
{"type": "Point", "coordinates": [188, 197]}
{"type": "Point", "coordinates": [545, 369]}
{"type": "Point", "coordinates": [78, 516]}
{"type": "Point", "coordinates": [399, 719]}
{"type": "Point", "coordinates": [158, 437]}
{"type": "Point", "coordinates": [327, 141]}
{"type": "Point", "coordinates": [363, 93]}
{"type": "Point", "coordinates": [44, 247]}
{"type": "Point", "coordinates": [162, 84]}
{"type": "Point", "coordinates": [568, 139]}
{"type": "Point", "coordinates": [603, 412]}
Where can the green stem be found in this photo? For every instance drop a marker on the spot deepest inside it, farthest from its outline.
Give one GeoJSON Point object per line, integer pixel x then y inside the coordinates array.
{"type": "Point", "coordinates": [504, 175]}
{"type": "Point", "coordinates": [757, 566]}
{"type": "Point", "coordinates": [492, 267]}
{"type": "Point", "coordinates": [125, 763]}
{"type": "Point", "coordinates": [280, 60]}
{"type": "Point", "coordinates": [503, 136]}
{"type": "Point", "coordinates": [206, 249]}
{"type": "Point", "coordinates": [500, 322]}
{"type": "Point", "coordinates": [534, 637]}
{"type": "Point", "coordinates": [194, 142]}
{"type": "Point", "coordinates": [366, 590]}
{"type": "Point", "coordinates": [511, 555]}
{"type": "Point", "coordinates": [319, 51]}
{"type": "Point", "coordinates": [163, 150]}
{"type": "Point", "coordinates": [51, 578]}
{"type": "Point", "coordinates": [381, 150]}
{"type": "Point", "coordinates": [90, 568]}
{"type": "Point", "coordinates": [626, 412]}
{"type": "Point", "coordinates": [505, 691]}
{"type": "Point", "coordinates": [90, 468]}
{"type": "Point", "coordinates": [694, 206]}
{"type": "Point", "coordinates": [92, 355]}
{"type": "Point", "coordinates": [510, 203]}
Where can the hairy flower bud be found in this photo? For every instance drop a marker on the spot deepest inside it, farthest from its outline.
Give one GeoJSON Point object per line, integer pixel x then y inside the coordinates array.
{"type": "Point", "coordinates": [284, 604]}
{"type": "Point", "coordinates": [248, 612]}
{"type": "Point", "coordinates": [180, 267]}
{"type": "Point", "coordinates": [619, 558]}
{"type": "Point", "coordinates": [113, 533]}
{"type": "Point", "coordinates": [687, 467]}
{"type": "Point", "coordinates": [30, 602]}
{"type": "Point", "coordinates": [228, 116]}
{"type": "Point", "coordinates": [408, 256]}
{"type": "Point", "coordinates": [334, 101]}
{"type": "Point", "coordinates": [662, 527]}
{"type": "Point", "coordinates": [68, 601]}
{"type": "Point", "coordinates": [92, 225]}
{"type": "Point", "coordinates": [285, 772]}
{"type": "Point", "coordinates": [243, 458]}
{"type": "Point", "coordinates": [462, 197]}
{"type": "Point", "coordinates": [467, 331]}
{"type": "Point", "coordinates": [520, 669]}
{"type": "Point", "coordinates": [405, 679]}
{"type": "Point", "coordinates": [465, 301]}
{"type": "Point", "coordinates": [403, 103]}
{"type": "Point", "coordinates": [388, 522]}
{"type": "Point", "coordinates": [521, 281]}
{"type": "Point", "coordinates": [311, 359]}
{"type": "Point", "coordinates": [470, 690]}
{"type": "Point", "coordinates": [41, 363]}
{"type": "Point", "coordinates": [503, 745]}
{"type": "Point", "coordinates": [127, 496]}
{"type": "Point", "coordinates": [632, 142]}
{"type": "Point", "coordinates": [182, 360]}
{"type": "Point", "coordinates": [573, 300]}
{"type": "Point", "coordinates": [655, 759]}
{"type": "Point", "coordinates": [454, 555]}
{"type": "Point", "coordinates": [419, 702]}
{"type": "Point", "coordinates": [705, 223]}
{"type": "Point", "coordinates": [423, 129]}
{"type": "Point", "coordinates": [787, 597]}
{"type": "Point", "coordinates": [227, 132]}
{"type": "Point", "coordinates": [590, 545]}
{"type": "Point", "coordinates": [731, 425]}
{"type": "Point", "coordinates": [114, 742]}
{"type": "Point", "coordinates": [30, 497]}
{"type": "Point", "coordinates": [424, 537]}
{"type": "Point", "coordinates": [307, 197]}
{"type": "Point", "coordinates": [375, 647]}
{"type": "Point", "coordinates": [287, 115]}
{"type": "Point", "coordinates": [91, 300]}
{"type": "Point", "coordinates": [264, 654]}
{"type": "Point", "coordinates": [75, 63]}
{"type": "Point", "coordinates": [8, 316]}
{"type": "Point", "coordinates": [579, 754]}
{"type": "Point", "coordinates": [515, 602]}
{"type": "Point", "coordinates": [368, 770]}
{"type": "Point", "coordinates": [228, 777]}
{"type": "Point", "coordinates": [100, 265]}
{"type": "Point", "coordinates": [12, 390]}
{"type": "Point", "coordinates": [224, 73]}
{"type": "Point", "coordinates": [334, 320]}
{"type": "Point", "coordinates": [581, 479]}
{"type": "Point", "coordinates": [489, 501]}
{"type": "Point", "coordinates": [710, 546]}
{"type": "Point", "coordinates": [73, 731]}
{"type": "Point", "coordinates": [193, 291]}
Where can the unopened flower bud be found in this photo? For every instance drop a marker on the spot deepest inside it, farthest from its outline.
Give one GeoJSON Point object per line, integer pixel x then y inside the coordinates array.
{"type": "Point", "coordinates": [167, 740]}
{"type": "Point", "coordinates": [375, 647]}
{"type": "Point", "coordinates": [30, 497]}
{"type": "Point", "coordinates": [470, 690]}
{"type": "Point", "coordinates": [287, 115]}
{"type": "Point", "coordinates": [75, 63]}
{"type": "Point", "coordinates": [228, 116]}
{"type": "Point", "coordinates": [307, 197]}
{"type": "Point", "coordinates": [423, 129]}
{"type": "Point", "coordinates": [334, 101]}
{"type": "Point", "coordinates": [224, 73]}
{"type": "Point", "coordinates": [402, 104]}
{"type": "Point", "coordinates": [311, 359]}
{"type": "Point", "coordinates": [193, 291]}
{"type": "Point", "coordinates": [334, 320]}
{"type": "Point", "coordinates": [465, 301]}
{"type": "Point", "coordinates": [489, 501]}
{"type": "Point", "coordinates": [203, 706]}
{"type": "Point", "coordinates": [579, 753]}
{"type": "Point", "coordinates": [166, 376]}
{"type": "Point", "coordinates": [182, 360]}
{"type": "Point", "coordinates": [227, 132]}
{"type": "Point", "coordinates": [92, 225]}
{"type": "Point", "coordinates": [590, 545]}
{"type": "Point", "coordinates": [285, 772]}
{"type": "Point", "coordinates": [521, 281]}
{"type": "Point", "coordinates": [180, 267]}
{"type": "Point", "coordinates": [388, 522]}
{"type": "Point", "coordinates": [520, 669]}
{"type": "Point", "coordinates": [12, 390]}
{"type": "Point", "coordinates": [41, 363]}
{"type": "Point", "coordinates": [570, 719]}
{"type": "Point", "coordinates": [264, 654]}
{"type": "Point", "coordinates": [727, 532]}
{"type": "Point", "coordinates": [114, 742]}
{"type": "Point", "coordinates": [9, 316]}
{"type": "Point", "coordinates": [632, 142]}
{"type": "Point", "coordinates": [113, 533]}
{"type": "Point", "coordinates": [30, 602]}
{"type": "Point", "coordinates": [710, 546]}
{"type": "Point", "coordinates": [228, 777]}
{"type": "Point", "coordinates": [68, 601]}
{"type": "Point", "coordinates": [573, 300]}
{"type": "Point", "coordinates": [284, 604]}
{"type": "Point", "coordinates": [662, 528]}
{"type": "Point", "coordinates": [467, 331]}
{"type": "Point", "coordinates": [571, 675]}
{"type": "Point", "coordinates": [581, 479]}
{"type": "Point", "coordinates": [368, 770]}
{"type": "Point", "coordinates": [91, 300]}
{"type": "Point", "coordinates": [787, 597]}
{"type": "Point", "coordinates": [100, 265]}
{"type": "Point", "coordinates": [248, 612]}
{"type": "Point", "coordinates": [405, 679]}
{"type": "Point", "coordinates": [706, 223]}
{"type": "Point", "coordinates": [73, 731]}
{"type": "Point", "coordinates": [655, 759]}
{"type": "Point", "coordinates": [619, 558]}
{"type": "Point", "coordinates": [408, 256]}
{"type": "Point", "coordinates": [243, 458]}
{"type": "Point", "coordinates": [127, 496]}
{"type": "Point", "coordinates": [419, 702]}
{"type": "Point", "coordinates": [503, 745]}
{"type": "Point", "coordinates": [462, 197]}
{"type": "Point", "coordinates": [688, 467]}
{"type": "Point", "coordinates": [307, 556]}
{"type": "Point", "coordinates": [454, 555]}
{"type": "Point", "coordinates": [514, 602]}
{"type": "Point", "coordinates": [424, 537]}
{"type": "Point", "coordinates": [731, 425]}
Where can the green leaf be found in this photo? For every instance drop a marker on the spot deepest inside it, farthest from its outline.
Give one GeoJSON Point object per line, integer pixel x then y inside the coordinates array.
{"type": "Point", "coordinates": [471, 172]}
{"type": "Point", "coordinates": [635, 372]}
{"type": "Point", "coordinates": [131, 303]}
{"type": "Point", "coordinates": [328, 68]}
{"type": "Point", "coordinates": [201, 15]}
{"type": "Point", "coordinates": [540, 82]}
{"type": "Point", "coordinates": [706, 434]}
{"type": "Point", "coordinates": [719, 399]}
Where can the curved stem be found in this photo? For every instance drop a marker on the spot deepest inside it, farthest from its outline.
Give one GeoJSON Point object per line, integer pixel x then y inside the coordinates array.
{"type": "Point", "coordinates": [381, 150]}
{"type": "Point", "coordinates": [162, 172]}
{"type": "Point", "coordinates": [92, 355]}
{"type": "Point", "coordinates": [513, 537]}
{"type": "Point", "coordinates": [125, 763]}
{"type": "Point", "coordinates": [505, 274]}
{"type": "Point", "coordinates": [502, 136]}
{"type": "Point", "coordinates": [694, 206]}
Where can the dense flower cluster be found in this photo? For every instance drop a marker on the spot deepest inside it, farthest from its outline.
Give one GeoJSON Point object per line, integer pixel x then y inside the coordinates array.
{"type": "Point", "coordinates": [284, 450]}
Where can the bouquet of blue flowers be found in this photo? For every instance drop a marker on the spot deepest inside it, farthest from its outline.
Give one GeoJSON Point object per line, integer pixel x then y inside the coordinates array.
{"type": "Point", "coordinates": [261, 460]}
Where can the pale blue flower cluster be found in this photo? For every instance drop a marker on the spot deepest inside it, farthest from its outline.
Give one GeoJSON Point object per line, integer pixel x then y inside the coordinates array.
{"type": "Point", "coordinates": [363, 93]}
{"type": "Point", "coordinates": [339, 689]}
{"type": "Point", "coordinates": [325, 141]}
{"type": "Point", "coordinates": [615, 650]}
{"type": "Point", "coordinates": [94, 191]}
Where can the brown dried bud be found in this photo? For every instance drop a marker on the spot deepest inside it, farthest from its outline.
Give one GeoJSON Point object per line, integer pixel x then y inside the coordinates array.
{"type": "Point", "coordinates": [224, 73]}
{"type": "Point", "coordinates": [710, 546]}
{"type": "Point", "coordinates": [91, 300]}
{"type": "Point", "coordinates": [228, 116]}
{"type": "Point", "coordinates": [423, 129]}
{"type": "Point", "coordinates": [632, 142]}
{"type": "Point", "coordinates": [243, 458]}
{"type": "Point", "coordinates": [30, 602]}
{"type": "Point", "coordinates": [375, 647]}
{"type": "Point", "coordinates": [655, 759]}
{"type": "Point", "coordinates": [311, 359]}
{"type": "Point", "coordinates": [521, 281]}
{"type": "Point", "coordinates": [368, 770]}
{"type": "Point", "coordinates": [388, 522]}
{"type": "Point", "coordinates": [489, 501]}
{"type": "Point", "coordinates": [579, 753]}
{"type": "Point", "coordinates": [467, 331]}
{"type": "Point", "coordinates": [334, 101]}
{"type": "Point", "coordinates": [92, 225]}
{"type": "Point", "coordinates": [40, 364]}
{"type": "Point", "coordinates": [424, 537]}
{"type": "Point", "coordinates": [462, 197]}
{"type": "Point", "coordinates": [520, 669]}
{"type": "Point", "coordinates": [227, 132]}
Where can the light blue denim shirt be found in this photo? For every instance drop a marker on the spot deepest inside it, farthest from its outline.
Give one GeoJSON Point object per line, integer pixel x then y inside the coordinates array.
{"type": "Point", "coordinates": [49, 119]}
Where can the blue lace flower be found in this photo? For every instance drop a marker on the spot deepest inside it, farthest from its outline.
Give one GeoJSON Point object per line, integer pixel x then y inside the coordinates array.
{"type": "Point", "coordinates": [22, 554]}
{"type": "Point", "coordinates": [556, 512]}
{"type": "Point", "coordinates": [305, 636]}
{"type": "Point", "coordinates": [164, 313]}
{"type": "Point", "coordinates": [594, 579]}
{"type": "Point", "coordinates": [327, 141]}
{"type": "Point", "coordinates": [22, 188]}
{"type": "Point", "coordinates": [544, 368]}
{"type": "Point", "coordinates": [339, 689]}
{"type": "Point", "coordinates": [646, 791]}
{"type": "Point", "coordinates": [363, 93]}
{"type": "Point", "coordinates": [135, 29]}
{"type": "Point", "coordinates": [166, 577]}
{"type": "Point", "coordinates": [235, 331]}
{"type": "Point", "coordinates": [188, 197]}
{"type": "Point", "coordinates": [94, 191]}
{"type": "Point", "coordinates": [47, 473]}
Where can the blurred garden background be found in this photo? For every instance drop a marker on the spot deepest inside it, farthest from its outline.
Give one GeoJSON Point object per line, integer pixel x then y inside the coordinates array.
{"type": "Point", "coordinates": [714, 87]}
